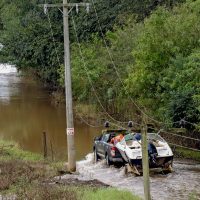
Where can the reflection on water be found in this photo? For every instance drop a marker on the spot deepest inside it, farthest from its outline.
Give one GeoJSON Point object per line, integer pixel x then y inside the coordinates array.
{"type": "Point", "coordinates": [26, 111]}
{"type": "Point", "coordinates": [8, 81]}
{"type": "Point", "coordinates": [7, 69]}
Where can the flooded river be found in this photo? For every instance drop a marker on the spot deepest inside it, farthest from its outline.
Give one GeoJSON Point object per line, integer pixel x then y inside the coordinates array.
{"type": "Point", "coordinates": [26, 111]}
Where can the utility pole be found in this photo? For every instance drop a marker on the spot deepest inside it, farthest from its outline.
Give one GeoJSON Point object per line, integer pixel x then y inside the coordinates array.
{"type": "Point", "coordinates": [68, 93]}
{"type": "Point", "coordinates": [67, 8]}
{"type": "Point", "coordinates": [145, 160]}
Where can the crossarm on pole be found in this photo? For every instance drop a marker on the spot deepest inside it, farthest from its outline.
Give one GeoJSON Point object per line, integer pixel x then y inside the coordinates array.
{"type": "Point", "coordinates": [65, 5]}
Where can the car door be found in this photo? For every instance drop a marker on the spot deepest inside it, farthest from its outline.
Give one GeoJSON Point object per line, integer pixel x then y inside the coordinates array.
{"type": "Point", "coordinates": [103, 144]}
{"type": "Point", "coordinates": [98, 143]}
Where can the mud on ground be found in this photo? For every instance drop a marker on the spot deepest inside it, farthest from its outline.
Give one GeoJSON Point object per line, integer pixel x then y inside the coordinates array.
{"type": "Point", "coordinates": [28, 180]}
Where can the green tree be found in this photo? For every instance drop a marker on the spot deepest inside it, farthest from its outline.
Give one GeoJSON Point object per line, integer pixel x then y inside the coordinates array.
{"type": "Point", "coordinates": [162, 75]}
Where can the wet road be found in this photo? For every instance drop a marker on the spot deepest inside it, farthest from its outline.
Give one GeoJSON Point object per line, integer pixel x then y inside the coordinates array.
{"type": "Point", "coordinates": [182, 184]}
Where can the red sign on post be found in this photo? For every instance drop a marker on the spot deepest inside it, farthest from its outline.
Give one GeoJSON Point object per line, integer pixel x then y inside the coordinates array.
{"type": "Point", "coordinates": [70, 131]}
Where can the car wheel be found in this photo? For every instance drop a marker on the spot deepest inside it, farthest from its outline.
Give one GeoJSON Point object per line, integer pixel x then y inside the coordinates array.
{"type": "Point", "coordinates": [96, 157]}
{"type": "Point", "coordinates": [108, 161]}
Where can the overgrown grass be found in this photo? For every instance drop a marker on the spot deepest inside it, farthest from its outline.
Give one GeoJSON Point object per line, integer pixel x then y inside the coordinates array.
{"type": "Point", "coordinates": [49, 192]}
{"type": "Point", "coordinates": [194, 196]}
{"type": "Point", "coordinates": [185, 153]}
{"type": "Point", "coordinates": [109, 194]}
{"type": "Point", "coordinates": [12, 151]}
{"type": "Point", "coordinates": [21, 169]}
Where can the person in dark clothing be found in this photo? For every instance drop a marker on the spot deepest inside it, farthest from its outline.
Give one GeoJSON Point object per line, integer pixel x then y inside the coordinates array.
{"type": "Point", "coordinates": [152, 152]}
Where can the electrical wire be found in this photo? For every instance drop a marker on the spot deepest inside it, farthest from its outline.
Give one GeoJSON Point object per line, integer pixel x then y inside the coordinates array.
{"type": "Point", "coordinates": [194, 124]}
{"type": "Point", "coordinates": [49, 20]}
{"type": "Point", "coordinates": [119, 77]}
{"type": "Point", "coordinates": [117, 121]}
{"type": "Point", "coordinates": [182, 136]}
{"type": "Point", "coordinates": [184, 147]}
{"type": "Point", "coordinates": [87, 123]}
{"type": "Point", "coordinates": [89, 79]}
{"type": "Point", "coordinates": [52, 35]}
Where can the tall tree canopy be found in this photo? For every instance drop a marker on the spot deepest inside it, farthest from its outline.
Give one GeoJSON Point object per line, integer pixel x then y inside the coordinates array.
{"type": "Point", "coordinates": [145, 50]}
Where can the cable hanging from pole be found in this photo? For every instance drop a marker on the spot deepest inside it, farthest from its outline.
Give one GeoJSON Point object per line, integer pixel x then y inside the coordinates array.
{"type": "Point", "coordinates": [89, 79]}
{"type": "Point", "coordinates": [49, 20]}
{"type": "Point", "coordinates": [115, 68]}
{"type": "Point", "coordinates": [52, 34]}
{"type": "Point", "coordinates": [182, 136]}
{"type": "Point", "coordinates": [87, 123]}
{"type": "Point", "coordinates": [184, 147]}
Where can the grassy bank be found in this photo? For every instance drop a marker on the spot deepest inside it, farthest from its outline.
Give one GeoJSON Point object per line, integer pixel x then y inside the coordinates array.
{"type": "Point", "coordinates": [24, 175]}
{"type": "Point", "coordinates": [188, 154]}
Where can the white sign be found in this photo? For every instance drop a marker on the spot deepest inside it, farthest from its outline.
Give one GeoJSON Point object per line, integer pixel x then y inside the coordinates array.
{"type": "Point", "coordinates": [70, 131]}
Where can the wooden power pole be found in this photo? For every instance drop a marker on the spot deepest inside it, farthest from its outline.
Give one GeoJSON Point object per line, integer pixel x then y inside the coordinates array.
{"type": "Point", "coordinates": [68, 93]}
{"type": "Point", "coordinates": [145, 160]}
{"type": "Point", "coordinates": [67, 8]}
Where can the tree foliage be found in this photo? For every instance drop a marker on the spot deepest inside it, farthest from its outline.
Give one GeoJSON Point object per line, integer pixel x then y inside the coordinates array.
{"type": "Point", "coordinates": [147, 50]}
{"type": "Point", "coordinates": [27, 39]}
{"type": "Point", "coordinates": [167, 63]}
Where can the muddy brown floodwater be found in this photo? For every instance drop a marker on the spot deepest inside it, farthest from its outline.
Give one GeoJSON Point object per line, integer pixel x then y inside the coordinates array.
{"type": "Point", "coordinates": [26, 111]}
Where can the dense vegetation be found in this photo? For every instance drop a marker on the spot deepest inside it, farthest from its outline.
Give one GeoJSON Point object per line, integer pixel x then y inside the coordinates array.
{"type": "Point", "coordinates": [146, 51]}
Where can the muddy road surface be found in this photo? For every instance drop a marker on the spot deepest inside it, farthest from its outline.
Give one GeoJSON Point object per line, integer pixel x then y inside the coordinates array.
{"type": "Point", "coordinates": [182, 184]}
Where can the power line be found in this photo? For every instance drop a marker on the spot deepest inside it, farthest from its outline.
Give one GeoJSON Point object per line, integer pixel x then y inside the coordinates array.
{"type": "Point", "coordinates": [111, 58]}
{"type": "Point", "coordinates": [49, 20]}
{"type": "Point", "coordinates": [52, 35]}
{"type": "Point", "coordinates": [89, 79]}
{"type": "Point", "coordinates": [184, 147]}
{"type": "Point", "coordinates": [174, 134]}
{"type": "Point", "coordinates": [194, 124]}
{"type": "Point", "coordinates": [87, 123]}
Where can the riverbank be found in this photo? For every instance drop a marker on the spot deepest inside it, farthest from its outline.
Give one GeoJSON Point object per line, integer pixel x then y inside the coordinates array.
{"type": "Point", "coordinates": [24, 175]}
